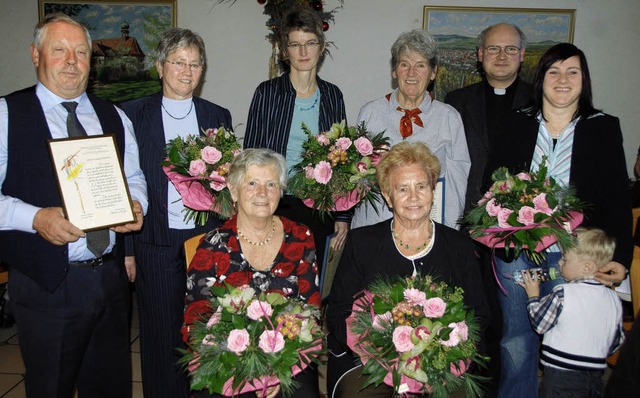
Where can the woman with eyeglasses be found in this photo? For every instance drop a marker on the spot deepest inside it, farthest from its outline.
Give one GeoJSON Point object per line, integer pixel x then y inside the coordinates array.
{"type": "Point", "coordinates": [156, 252]}
{"type": "Point", "coordinates": [281, 105]}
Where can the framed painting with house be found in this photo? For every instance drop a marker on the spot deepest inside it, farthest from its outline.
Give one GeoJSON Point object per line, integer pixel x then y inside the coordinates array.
{"type": "Point", "coordinates": [456, 29]}
{"type": "Point", "coordinates": [124, 36]}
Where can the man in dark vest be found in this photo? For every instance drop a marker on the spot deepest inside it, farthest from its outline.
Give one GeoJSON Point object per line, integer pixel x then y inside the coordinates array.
{"type": "Point", "coordinates": [483, 107]}
{"type": "Point", "coordinates": [69, 290]}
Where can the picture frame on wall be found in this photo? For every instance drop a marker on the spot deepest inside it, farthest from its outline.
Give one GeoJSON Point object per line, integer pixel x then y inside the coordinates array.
{"type": "Point", "coordinates": [456, 29]}
{"type": "Point", "coordinates": [124, 36]}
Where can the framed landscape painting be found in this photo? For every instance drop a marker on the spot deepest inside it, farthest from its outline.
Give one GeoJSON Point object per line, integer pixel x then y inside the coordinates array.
{"type": "Point", "coordinates": [124, 36]}
{"type": "Point", "coordinates": [457, 29]}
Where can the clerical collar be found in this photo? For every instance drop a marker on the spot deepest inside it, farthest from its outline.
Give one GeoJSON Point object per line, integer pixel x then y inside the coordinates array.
{"type": "Point", "coordinates": [502, 91]}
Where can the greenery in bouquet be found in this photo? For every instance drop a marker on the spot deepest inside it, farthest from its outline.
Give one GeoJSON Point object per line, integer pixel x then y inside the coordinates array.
{"type": "Point", "coordinates": [249, 341]}
{"type": "Point", "coordinates": [416, 335]}
{"type": "Point", "coordinates": [526, 212]}
{"type": "Point", "coordinates": [197, 166]}
{"type": "Point", "coordinates": [337, 170]}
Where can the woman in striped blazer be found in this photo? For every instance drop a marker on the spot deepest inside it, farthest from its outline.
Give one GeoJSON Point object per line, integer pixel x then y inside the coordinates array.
{"type": "Point", "coordinates": [281, 105]}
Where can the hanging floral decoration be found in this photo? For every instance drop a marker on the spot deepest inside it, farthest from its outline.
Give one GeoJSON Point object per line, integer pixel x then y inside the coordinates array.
{"type": "Point", "coordinates": [275, 10]}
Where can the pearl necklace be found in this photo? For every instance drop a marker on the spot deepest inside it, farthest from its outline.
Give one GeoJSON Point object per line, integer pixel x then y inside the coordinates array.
{"type": "Point", "coordinates": [406, 246]}
{"type": "Point", "coordinates": [177, 118]}
{"type": "Point", "coordinates": [264, 242]}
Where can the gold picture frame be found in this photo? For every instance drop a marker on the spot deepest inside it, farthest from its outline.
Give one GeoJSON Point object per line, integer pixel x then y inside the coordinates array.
{"type": "Point", "coordinates": [457, 28]}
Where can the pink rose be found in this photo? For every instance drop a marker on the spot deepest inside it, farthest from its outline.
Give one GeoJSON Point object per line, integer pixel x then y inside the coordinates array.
{"type": "Point", "coordinates": [197, 167]}
{"type": "Point", "coordinates": [257, 309]}
{"type": "Point", "coordinates": [523, 176]}
{"type": "Point", "coordinates": [434, 307]}
{"type": "Point", "coordinates": [540, 204]}
{"type": "Point", "coordinates": [460, 368]}
{"type": "Point", "coordinates": [343, 143]}
{"type": "Point", "coordinates": [382, 321]}
{"type": "Point", "coordinates": [215, 318]}
{"type": "Point", "coordinates": [363, 146]}
{"type": "Point", "coordinates": [322, 172]}
{"type": "Point", "coordinates": [217, 182]}
{"type": "Point", "coordinates": [525, 215]}
{"type": "Point", "coordinates": [487, 196]}
{"type": "Point", "coordinates": [210, 155]}
{"type": "Point", "coordinates": [415, 297]}
{"type": "Point", "coordinates": [271, 341]}
{"type": "Point", "coordinates": [323, 139]}
{"type": "Point", "coordinates": [422, 333]}
{"type": "Point", "coordinates": [238, 340]}
{"type": "Point", "coordinates": [492, 207]}
{"type": "Point", "coordinates": [308, 172]}
{"type": "Point", "coordinates": [402, 338]}
{"type": "Point", "coordinates": [503, 216]}
{"type": "Point", "coordinates": [459, 333]}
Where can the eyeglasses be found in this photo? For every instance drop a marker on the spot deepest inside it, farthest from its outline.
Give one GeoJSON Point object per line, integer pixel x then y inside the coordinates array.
{"type": "Point", "coordinates": [495, 50]}
{"type": "Point", "coordinates": [307, 46]}
{"type": "Point", "coordinates": [182, 65]}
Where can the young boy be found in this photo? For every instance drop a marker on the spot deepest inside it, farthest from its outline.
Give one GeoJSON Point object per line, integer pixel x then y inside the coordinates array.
{"type": "Point", "coordinates": [581, 320]}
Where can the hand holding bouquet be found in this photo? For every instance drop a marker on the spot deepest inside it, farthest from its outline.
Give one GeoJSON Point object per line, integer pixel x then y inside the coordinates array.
{"type": "Point", "coordinates": [337, 170]}
{"type": "Point", "coordinates": [197, 167]}
{"type": "Point", "coordinates": [527, 212]}
{"type": "Point", "coordinates": [415, 335]}
{"type": "Point", "coordinates": [250, 342]}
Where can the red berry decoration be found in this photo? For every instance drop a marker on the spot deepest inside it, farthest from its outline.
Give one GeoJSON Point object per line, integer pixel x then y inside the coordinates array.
{"type": "Point", "coordinates": [325, 26]}
{"type": "Point", "coordinates": [317, 6]}
{"type": "Point", "coordinates": [261, 2]}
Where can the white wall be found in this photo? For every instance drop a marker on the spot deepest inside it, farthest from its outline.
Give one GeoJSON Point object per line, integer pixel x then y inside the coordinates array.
{"type": "Point", "coordinates": [608, 32]}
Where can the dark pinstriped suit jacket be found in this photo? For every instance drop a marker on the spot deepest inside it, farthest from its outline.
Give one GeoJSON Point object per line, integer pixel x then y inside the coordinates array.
{"type": "Point", "coordinates": [271, 112]}
{"type": "Point", "coordinates": [146, 115]}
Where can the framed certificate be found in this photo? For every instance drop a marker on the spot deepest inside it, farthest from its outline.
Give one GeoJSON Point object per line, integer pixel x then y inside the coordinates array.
{"type": "Point", "coordinates": [437, 210]}
{"type": "Point", "coordinates": [92, 184]}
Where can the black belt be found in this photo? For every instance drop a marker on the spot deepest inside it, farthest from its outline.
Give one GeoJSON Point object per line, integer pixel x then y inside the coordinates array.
{"type": "Point", "coordinates": [93, 262]}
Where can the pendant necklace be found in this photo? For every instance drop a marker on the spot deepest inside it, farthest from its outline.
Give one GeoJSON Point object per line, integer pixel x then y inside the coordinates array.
{"type": "Point", "coordinates": [178, 118]}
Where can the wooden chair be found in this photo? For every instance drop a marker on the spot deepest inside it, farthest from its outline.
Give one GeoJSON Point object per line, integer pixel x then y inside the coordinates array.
{"type": "Point", "coordinates": [634, 273]}
{"type": "Point", "coordinates": [190, 246]}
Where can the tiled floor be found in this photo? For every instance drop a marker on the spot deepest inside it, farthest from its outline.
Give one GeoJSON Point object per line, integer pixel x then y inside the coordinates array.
{"type": "Point", "coordinates": [12, 368]}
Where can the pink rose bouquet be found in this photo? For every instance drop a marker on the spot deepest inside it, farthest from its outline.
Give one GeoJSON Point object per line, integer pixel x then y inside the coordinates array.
{"type": "Point", "coordinates": [249, 342]}
{"type": "Point", "coordinates": [415, 335]}
{"type": "Point", "coordinates": [526, 213]}
{"type": "Point", "coordinates": [197, 167]}
{"type": "Point", "coordinates": [337, 171]}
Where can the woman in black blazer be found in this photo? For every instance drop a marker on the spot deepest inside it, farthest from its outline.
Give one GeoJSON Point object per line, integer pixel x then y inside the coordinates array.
{"type": "Point", "coordinates": [583, 148]}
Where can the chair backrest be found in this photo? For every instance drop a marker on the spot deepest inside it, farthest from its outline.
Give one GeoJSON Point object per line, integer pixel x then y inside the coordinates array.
{"type": "Point", "coordinates": [190, 246]}
{"type": "Point", "coordinates": [634, 274]}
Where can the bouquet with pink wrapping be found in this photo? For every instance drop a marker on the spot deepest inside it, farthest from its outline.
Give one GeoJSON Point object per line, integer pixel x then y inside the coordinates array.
{"type": "Point", "coordinates": [415, 335]}
{"type": "Point", "coordinates": [247, 342]}
{"type": "Point", "coordinates": [338, 167]}
{"type": "Point", "coordinates": [197, 166]}
{"type": "Point", "coordinates": [526, 213]}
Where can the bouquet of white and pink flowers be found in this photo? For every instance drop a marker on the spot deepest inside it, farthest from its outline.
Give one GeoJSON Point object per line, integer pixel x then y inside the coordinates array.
{"type": "Point", "coordinates": [337, 170]}
{"type": "Point", "coordinates": [197, 166]}
{"type": "Point", "coordinates": [415, 335]}
{"type": "Point", "coordinates": [247, 341]}
{"type": "Point", "coordinates": [527, 212]}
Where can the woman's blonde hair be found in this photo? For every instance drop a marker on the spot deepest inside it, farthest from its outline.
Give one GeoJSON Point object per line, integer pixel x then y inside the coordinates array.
{"type": "Point", "coordinates": [405, 154]}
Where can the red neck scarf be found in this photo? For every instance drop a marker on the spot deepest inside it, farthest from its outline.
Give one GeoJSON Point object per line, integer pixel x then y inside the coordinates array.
{"type": "Point", "coordinates": [410, 117]}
